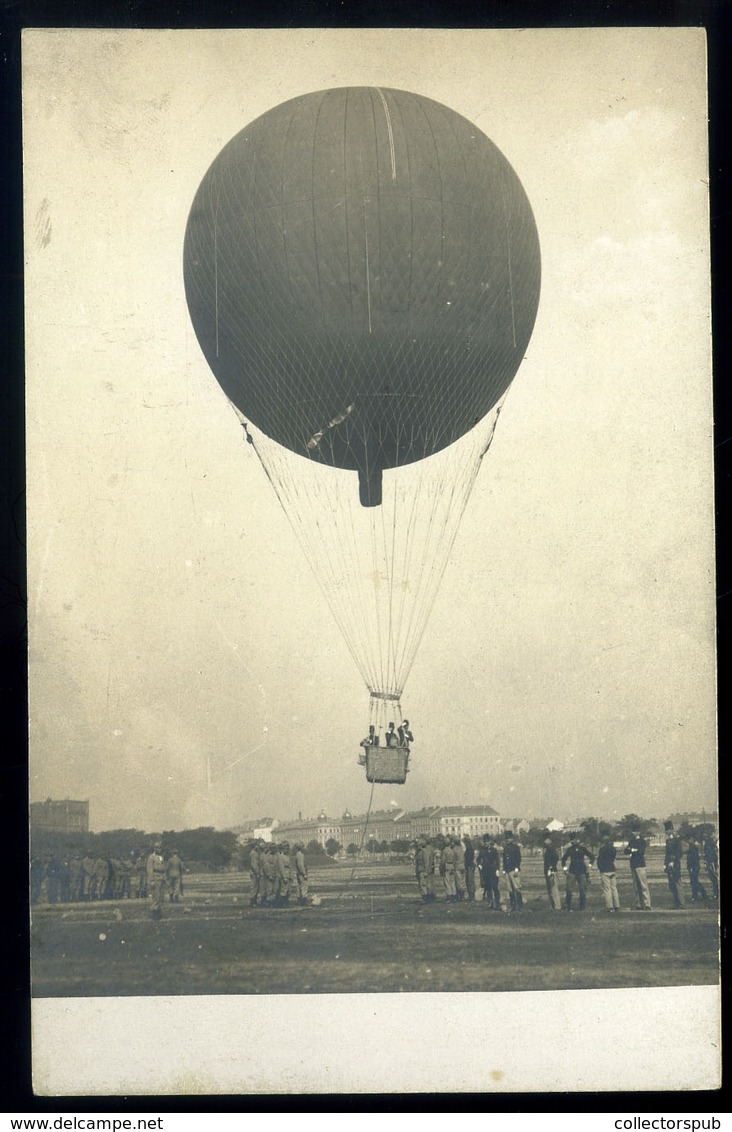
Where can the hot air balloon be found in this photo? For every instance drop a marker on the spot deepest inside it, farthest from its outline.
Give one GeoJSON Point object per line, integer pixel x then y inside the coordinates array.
{"type": "Point", "coordinates": [362, 272]}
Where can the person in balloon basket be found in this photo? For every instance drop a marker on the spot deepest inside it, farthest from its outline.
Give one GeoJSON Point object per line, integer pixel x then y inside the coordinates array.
{"type": "Point", "coordinates": [606, 868]}
{"type": "Point", "coordinates": [301, 873]}
{"type": "Point", "coordinates": [391, 738]}
{"type": "Point", "coordinates": [551, 867]}
{"type": "Point", "coordinates": [636, 850]}
{"type": "Point", "coordinates": [693, 864]}
{"type": "Point", "coordinates": [512, 869]}
{"type": "Point", "coordinates": [575, 862]}
{"type": "Point", "coordinates": [404, 735]}
{"type": "Point", "coordinates": [672, 863]}
{"type": "Point", "coordinates": [156, 880]}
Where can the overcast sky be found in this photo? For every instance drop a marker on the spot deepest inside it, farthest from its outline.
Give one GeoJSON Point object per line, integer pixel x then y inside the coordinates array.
{"type": "Point", "coordinates": [184, 668]}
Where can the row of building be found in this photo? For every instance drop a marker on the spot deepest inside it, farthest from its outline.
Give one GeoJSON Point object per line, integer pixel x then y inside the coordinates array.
{"type": "Point", "coordinates": [406, 825]}
{"type": "Point", "coordinates": [383, 825]}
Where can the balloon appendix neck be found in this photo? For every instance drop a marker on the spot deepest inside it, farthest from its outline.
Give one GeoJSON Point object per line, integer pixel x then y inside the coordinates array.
{"type": "Point", "coordinates": [362, 271]}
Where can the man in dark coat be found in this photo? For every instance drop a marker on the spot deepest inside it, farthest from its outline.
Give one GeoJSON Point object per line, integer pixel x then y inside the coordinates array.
{"type": "Point", "coordinates": [672, 863]}
{"type": "Point", "coordinates": [693, 864]}
{"type": "Point", "coordinates": [489, 863]}
{"type": "Point", "coordinates": [574, 863]}
{"type": "Point", "coordinates": [608, 876]}
{"type": "Point", "coordinates": [551, 865]}
{"type": "Point", "coordinates": [636, 850]}
{"type": "Point", "coordinates": [512, 869]}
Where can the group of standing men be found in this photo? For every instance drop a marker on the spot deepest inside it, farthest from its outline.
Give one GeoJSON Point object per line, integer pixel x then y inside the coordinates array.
{"type": "Point", "coordinates": [276, 872]}
{"type": "Point", "coordinates": [457, 865]}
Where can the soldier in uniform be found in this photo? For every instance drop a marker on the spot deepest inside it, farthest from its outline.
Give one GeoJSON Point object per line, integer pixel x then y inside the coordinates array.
{"type": "Point", "coordinates": [636, 850]}
{"type": "Point", "coordinates": [608, 876]}
{"type": "Point", "coordinates": [125, 878]}
{"type": "Point", "coordinates": [459, 868]}
{"type": "Point", "coordinates": [284, 874]}
{"type": "Point", "coordinates": [301, 874]}
{"type": "Point", "coordinates": [424, 869]}
{"type": "Point", "coordinates": [268, 874]}
{"type": "Point", "coordinates": [672, 863]}
{"type": "Point", "coordinates": [174, 874]}
{"type": "Point", "coordinates": [574, 863]}
{"type": "Point", "coordinates": [489, 860]}
{"type": "Point", "coordinates": [448, 862]}
{"type": "Point", "coordinates": [141, 869]}
{"type": "Point", "coordinates": [75, 878]}
{"type": "Point", "coordinates": [469, 865]}
{"type": "Point", "coordinates": [255, 872]}
{"type": "Point", "coordinates": [711, 861]}
{"type": "Point", "coordinates": [88, 877]}
{"type": "Point", "coordinates": [512, 869]}
{"type": "Point", "coordinates": [551, 864]}
{"type": "Point", "coordinates": [156, 880]}
{"type": "Point", "coordinates": [693, 864]}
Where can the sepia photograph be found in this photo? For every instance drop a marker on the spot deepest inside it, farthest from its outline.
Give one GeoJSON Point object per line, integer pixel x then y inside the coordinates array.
{"type": "Point", "coordinates": [370, 512]}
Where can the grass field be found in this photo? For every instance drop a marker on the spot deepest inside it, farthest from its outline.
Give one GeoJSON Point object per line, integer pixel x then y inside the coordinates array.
{"type": "Point", "coordinates": [370, 932]}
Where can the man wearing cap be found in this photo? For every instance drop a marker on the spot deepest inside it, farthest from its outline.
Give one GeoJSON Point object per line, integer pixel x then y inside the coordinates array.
{"type": "Point", "coordinates": [672, 863]}
{"type": "Point", "coordinates": [606, 869]}
{"type": "Point", "coordinates": [693, 864]}
{"type": "Point", "coordinates": [574, 862]}
{"type": "Point", "coordinates": [512, 869]}
{"type": "Point", "coordinates": [284, 874]}
{"type": "Point", "coordinates": [423, 865]}
{"type": "Point", "coordinates": [636, 850]}
{"type": "Point", "coordinates": [459, 868]}
{"type": "Point", "coordinates": [301, 873]}
{"type": "Point", "coordinates": [448, 864]}
{"type": "Point", "coordinates": [711, 862]}
{"type": "Point", "coordinates": [156, 880]}
{"type": "Point", "coordinates": [268, 874]}
{"type": "Point", "coordinates": [255, 872]}
{"type": "Point", "coordinates": [489, 862]}
{"type": "Point", "coordinates": [174, 873]}
{"type": "Point", "coordinates": [551, 865]}
{"type": "Point", "coordinates": [469, 863]}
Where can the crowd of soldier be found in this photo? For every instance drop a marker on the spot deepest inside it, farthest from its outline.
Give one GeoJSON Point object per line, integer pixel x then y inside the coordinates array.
{"type": "Point", "coordinates": [76, 878]}
{"type": "Point", "coordinates": [277, 872]}
{"type": "Point", "coordinates": [459, 869]}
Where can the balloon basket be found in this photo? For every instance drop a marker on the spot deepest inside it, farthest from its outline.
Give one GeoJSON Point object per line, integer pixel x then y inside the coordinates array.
{"type": "Point", "coordinates": [387, 764]}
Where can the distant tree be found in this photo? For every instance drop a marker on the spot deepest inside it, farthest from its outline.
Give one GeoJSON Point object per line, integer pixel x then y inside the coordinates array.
{"type": "Point", "coordinates": [352, 850]}
{"type": "Point", "coordinates": [372, 846]}
{"type": "Point", "coordinates": [629, 822]}
{"type": "Point", "coordinates": [590, 828]}
{"type": "Point", "coordinates": [533, 838]}
{"type": "Point", "coordinates": [332, 847]}
{"type": "Point", "coordinates": [315, 849]}
{"type": "Point", "coordinates": [400, 845]}
{"type": "Point", "coordinates": [383, 847]}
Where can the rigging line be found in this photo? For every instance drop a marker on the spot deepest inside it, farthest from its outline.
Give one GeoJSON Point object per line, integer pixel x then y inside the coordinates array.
{"type": "Point", "coordinates": [388, 562]}
{"type": "Point", "coordinates": [363, 837]}
{"type": "Point", "coordinates": [409, 550]}
{"type": "Point", "coordinates": [322, 561]}
{"type": "Point", "coordinates": [279, 489]}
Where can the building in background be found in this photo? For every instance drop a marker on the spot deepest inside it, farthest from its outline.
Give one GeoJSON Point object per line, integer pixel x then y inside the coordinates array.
{"type": "Point", "coordinates": [63, 816]}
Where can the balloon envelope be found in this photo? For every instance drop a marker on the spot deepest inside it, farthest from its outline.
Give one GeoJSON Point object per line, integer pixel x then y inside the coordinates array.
{"type": "Point", "coordinates": [362, 270]}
